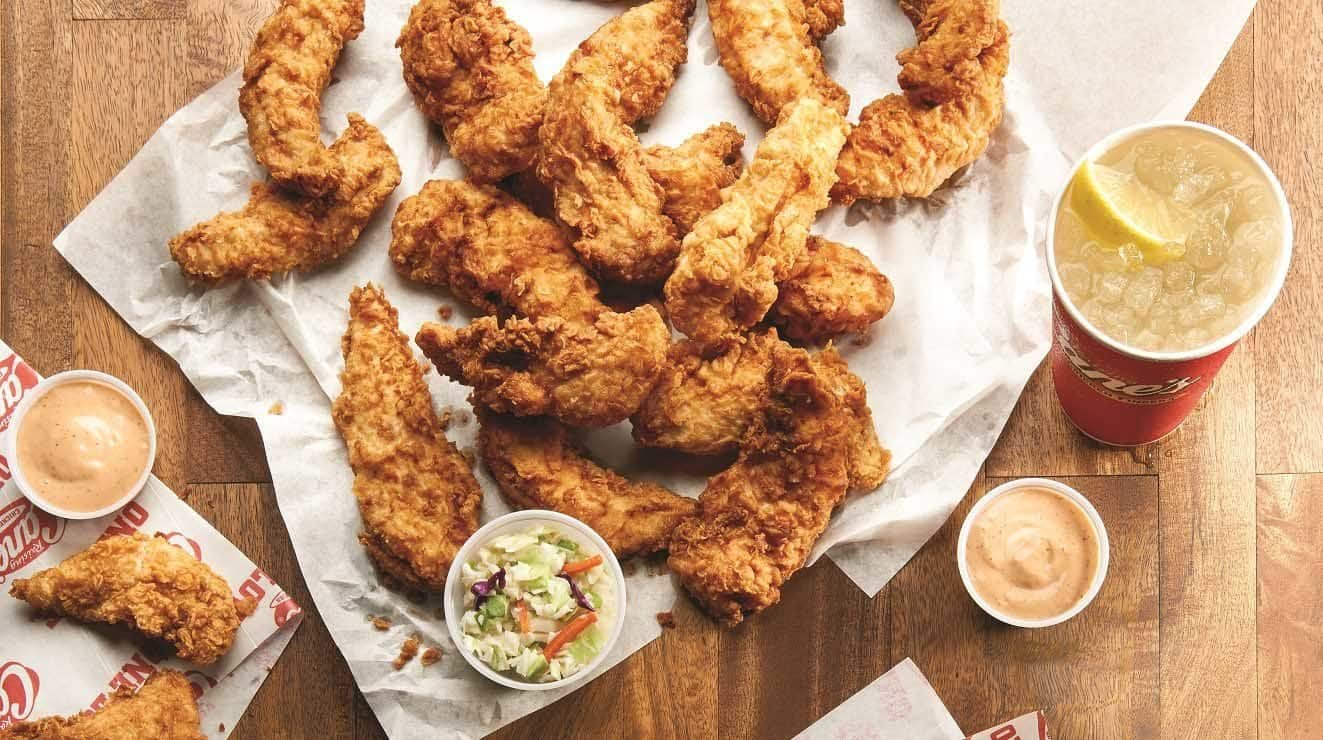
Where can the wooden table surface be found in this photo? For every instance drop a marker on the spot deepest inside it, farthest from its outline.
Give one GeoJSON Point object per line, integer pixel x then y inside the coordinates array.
{"type": "Point", "coordinates": [1210, 621]}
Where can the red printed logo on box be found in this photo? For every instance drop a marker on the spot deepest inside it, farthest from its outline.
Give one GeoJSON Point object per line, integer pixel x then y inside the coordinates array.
{"type": "Point", "coordinates": [187, 544]}
{"type": "Point", "coordinates": [25, 533]}
{"type": "Point", "coordinates": [18, 693]}
{"type": "Point", "coordinates": [15, 379]}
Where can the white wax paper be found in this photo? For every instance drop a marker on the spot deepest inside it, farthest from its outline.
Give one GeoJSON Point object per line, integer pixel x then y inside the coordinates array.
{"type": "Point", "coordinates": [901, 703]}
{"type": "Point", "coordinates": [943, 370]}
{"type": "Point", "coordinates": [62, 666]}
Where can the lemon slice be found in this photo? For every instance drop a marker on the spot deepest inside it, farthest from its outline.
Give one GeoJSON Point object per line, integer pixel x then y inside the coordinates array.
{"type": "Point", "coordinates": [1118, 208]}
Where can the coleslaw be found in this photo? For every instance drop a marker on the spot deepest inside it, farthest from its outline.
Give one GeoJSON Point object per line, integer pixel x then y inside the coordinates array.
{"type": "Point", "coordinates": [536, 603]}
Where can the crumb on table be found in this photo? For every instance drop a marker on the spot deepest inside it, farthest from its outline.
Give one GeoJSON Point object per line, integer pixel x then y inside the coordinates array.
{"type": "Point", "coordinates": [445, 312]}
{"type": "Point", "coordinates": [430, 656]}
{"type": "Point", "coordinates": [381, 623]}
{"type": "Point", "coordinates": [666, 619]}
{"type": "Point", "coordinates": [407, 652]}
{"type": "Point", "coordinates": [277, 408]}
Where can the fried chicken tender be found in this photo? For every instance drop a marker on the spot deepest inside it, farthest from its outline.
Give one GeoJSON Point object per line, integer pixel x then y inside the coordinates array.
{"type": "Point", "coordinates": [164, 708]}
{"type": "Point", "coordinates": [281, 98]}
{"type": "Point", "coordinates": [725, 278]}
{"type": "Point", "coordinates": [279, 231]}
{"type": "Point", "coordinates": [538, 465]}
{"type": "Point", "coordinates": [470, 69]}
{"type": "Point", "coordinates": [492, 252]}
{"type": "Point", "coordinates": [757, 521]}
{"type": "Point", "coordinates": [693, 174]}
{"type": "Point", "coordinates": [591, 157]}
{"type": "Point", "coordinates": [148, 584]}
{"type": "Point", "coordinates": [945, 64]}
{"type": "Point", "coordinates": [769, 48]}
{"type": "Point", "coordinates": [833, 290]}
{"type": "Point", "coordinates": [703, 406]}
{"type": "Point", "coordinates": [416, 493]}
{"type": "Point", "coordinates": [585, 375]}
{"type": "Point", "coordinates": [905, 148]}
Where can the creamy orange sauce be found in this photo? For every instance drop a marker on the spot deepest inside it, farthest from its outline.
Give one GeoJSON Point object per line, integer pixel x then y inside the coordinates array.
{"type": "Point", "coordinates": [82, 446]}
{"type": "Point", "coordinates": [1032, 553]}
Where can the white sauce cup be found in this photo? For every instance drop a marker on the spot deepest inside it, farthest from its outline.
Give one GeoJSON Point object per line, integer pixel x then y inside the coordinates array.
{"type": "Point", "coordinates": [517, 522]}
{"type": "Point", "coordinates": [30, 399]}
{"type": "Point", "coordinates": [1104, 550]}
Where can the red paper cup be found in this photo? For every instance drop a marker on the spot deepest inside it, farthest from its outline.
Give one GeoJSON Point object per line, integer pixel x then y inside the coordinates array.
{"type": "Point", "coordinates": [1121, 395]}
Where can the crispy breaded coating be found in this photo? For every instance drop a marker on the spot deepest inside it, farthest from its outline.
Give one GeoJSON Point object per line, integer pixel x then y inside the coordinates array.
{"type": "Point", "coordinates": [945, 64]}
{"type": "Point", "coordinates": [769, 48]}
{"type": "Point", "coordinates": [758, 520]}
{"type": "Point", "coordinates": [537, 465]}
{"type": "Point", "coordinates": [164, 708]}
{"type": "Point", "coordinates": [704, 405]}
{"type": "Point", "coordinates": [725, 278]}
{"type": "Point", "coordinates": [833, 290]}
{"type": "Point", "coordinates": [278, 231]}
{"type": "Point", "coordinates": [147, 584]}
{"type": "Point", "coordinates": [470, 69]}
{"type": "Point", "coordinates": [492, 252]}
{"type": "Point", "coordinates": [903, 148]}
{"type": "Point", "coordinates": [591, 157]}
{"type": "Point", "coordinates": [416, 493]}
{"type": "Point", "coordinates": [585, 375]}
{"type": "Point", "coordinates": [869, 462]}
{"type": "Point", "coordinates": [693, 174]}
{"type": "Point", "coordinates": [283, 79]}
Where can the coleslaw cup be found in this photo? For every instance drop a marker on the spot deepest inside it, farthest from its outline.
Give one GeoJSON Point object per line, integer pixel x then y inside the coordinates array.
{"type": "Point", "coordinates": [30, 398]}
{"type": "Point", "coordinates": [1075, 497]}
{"type": "Point", "coordinates": [509, 524]}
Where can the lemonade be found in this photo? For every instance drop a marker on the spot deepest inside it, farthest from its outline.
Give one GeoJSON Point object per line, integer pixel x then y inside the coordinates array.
{"type": "Point", "coordinates": [1168, 241]}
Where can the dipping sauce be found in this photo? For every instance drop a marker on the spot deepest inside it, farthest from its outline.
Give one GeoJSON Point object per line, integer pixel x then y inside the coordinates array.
{"type": "Point", "coordinates": [1032, 553]}
{"type": "Point", "coordinates": [82, 446]}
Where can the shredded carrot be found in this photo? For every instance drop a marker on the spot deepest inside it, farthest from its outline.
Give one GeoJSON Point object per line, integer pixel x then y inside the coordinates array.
{"type": "Point", "coordinates": [521, 611]}
{"type": "Point", "coordinates": [579, 566]}
{"type": "Point", "coordinates": [567, 635]}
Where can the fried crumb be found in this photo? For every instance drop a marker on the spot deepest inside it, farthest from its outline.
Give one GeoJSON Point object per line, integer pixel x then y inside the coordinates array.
{"type": "Point", "coordinates": [407, 652]}
{"type": "Point", "coordinates": [277, 408]}
{"type": "Point", "coordinates": [666, 619]}
{"type": "Point", "coordinates": [462, 416]}
{"type": "Point", "coordinates": [381, 623]}
{"type": "Point", "coordinates": [220, 727]}
{"type": "Point", "coordinates": [445, 312]}
{"type": "Point", "coordinates": [430, 656]}
{"type": "Point", "coordinates": [468, 454]}
{"type": "Point", "coordinates": [444, 418]}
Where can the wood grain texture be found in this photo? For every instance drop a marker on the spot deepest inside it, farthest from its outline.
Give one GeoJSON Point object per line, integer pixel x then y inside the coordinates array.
{"type": "Point", "coordinates": [1290, 608]}
{"type": "Point", "coordinates": [1094, 676]}
{"type": "Point", "coordinates": [129, 9]}
{"type": "Point", "coordinates": [1288, 82]}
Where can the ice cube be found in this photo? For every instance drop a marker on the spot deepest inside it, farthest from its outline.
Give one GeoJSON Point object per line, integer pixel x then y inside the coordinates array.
{"type": "Point", "coordinates": [1118, 315]}
{"type": "Point", "coordinates": [1143, 290]}
{"type": "Point", "coordinates": [1178, 299]}
{"type": "Point", "coordinates": [1255, 238]}
{"type": "Point", "coordinates": [1148, 340]}
{"type": "Point", "coordinates": [1196, 337]}
{"type": "Point", "coordinates": [1172, 250]}
{"type": "Point", "coordinates": [1218, 206]}
{"type": "Point", "coordinates": [1207, 246]}
{"type": "Point", "coordinates": [1210, 284]}
{"type": "Point", "coordinates": [1162, 169]}
{"type": "Point", "coordinates": [1200, 311]}
{"type": "Point", "coordinates": [1132, 257]}
{"type": "Point", "coordinates": [1251, 202]}
{"type": "Point", "coordinates": [1238, 279]}
{"type": "Point", "coordinates": [1070, 229]}
{"type": "Point", "coordinates": [1179, 276]}
{"type": "Point", "coordinates": [1109, 287]}
{"type": "Point", "coordinates": [1077, 280]}
{"type": "Point", "coordinates": [1195, 186]}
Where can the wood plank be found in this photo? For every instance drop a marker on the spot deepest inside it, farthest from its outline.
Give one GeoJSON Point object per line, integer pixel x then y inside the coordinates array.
{"type": "Point", "coordinates": [795, 662]}
{"type": "Point", "coordinates": [1289, 135]}
{"type": "Point", "coordinates": [130, 9]}
{"type": "Point", "coordinates": [1206, 495]}
{"type": "Point", "coordinates": [36, 316]}
{"type": "Point", "coordinates": [115, 109]}
{"type": "Point", "coordinates": [1290, 606]}
{"type": "Point", "coordinates": [1094, 676]}
{"type": "Point", "coordinates": [1039, 440]}
{"type": "Point", "coordinates": [310, 686]}
{"type": "Point", "coordinates": [1207, 501]}
{"type": "Point", "coordinates": [649, 695]}
{"type": "Point", "coordinates": [219, 35]}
